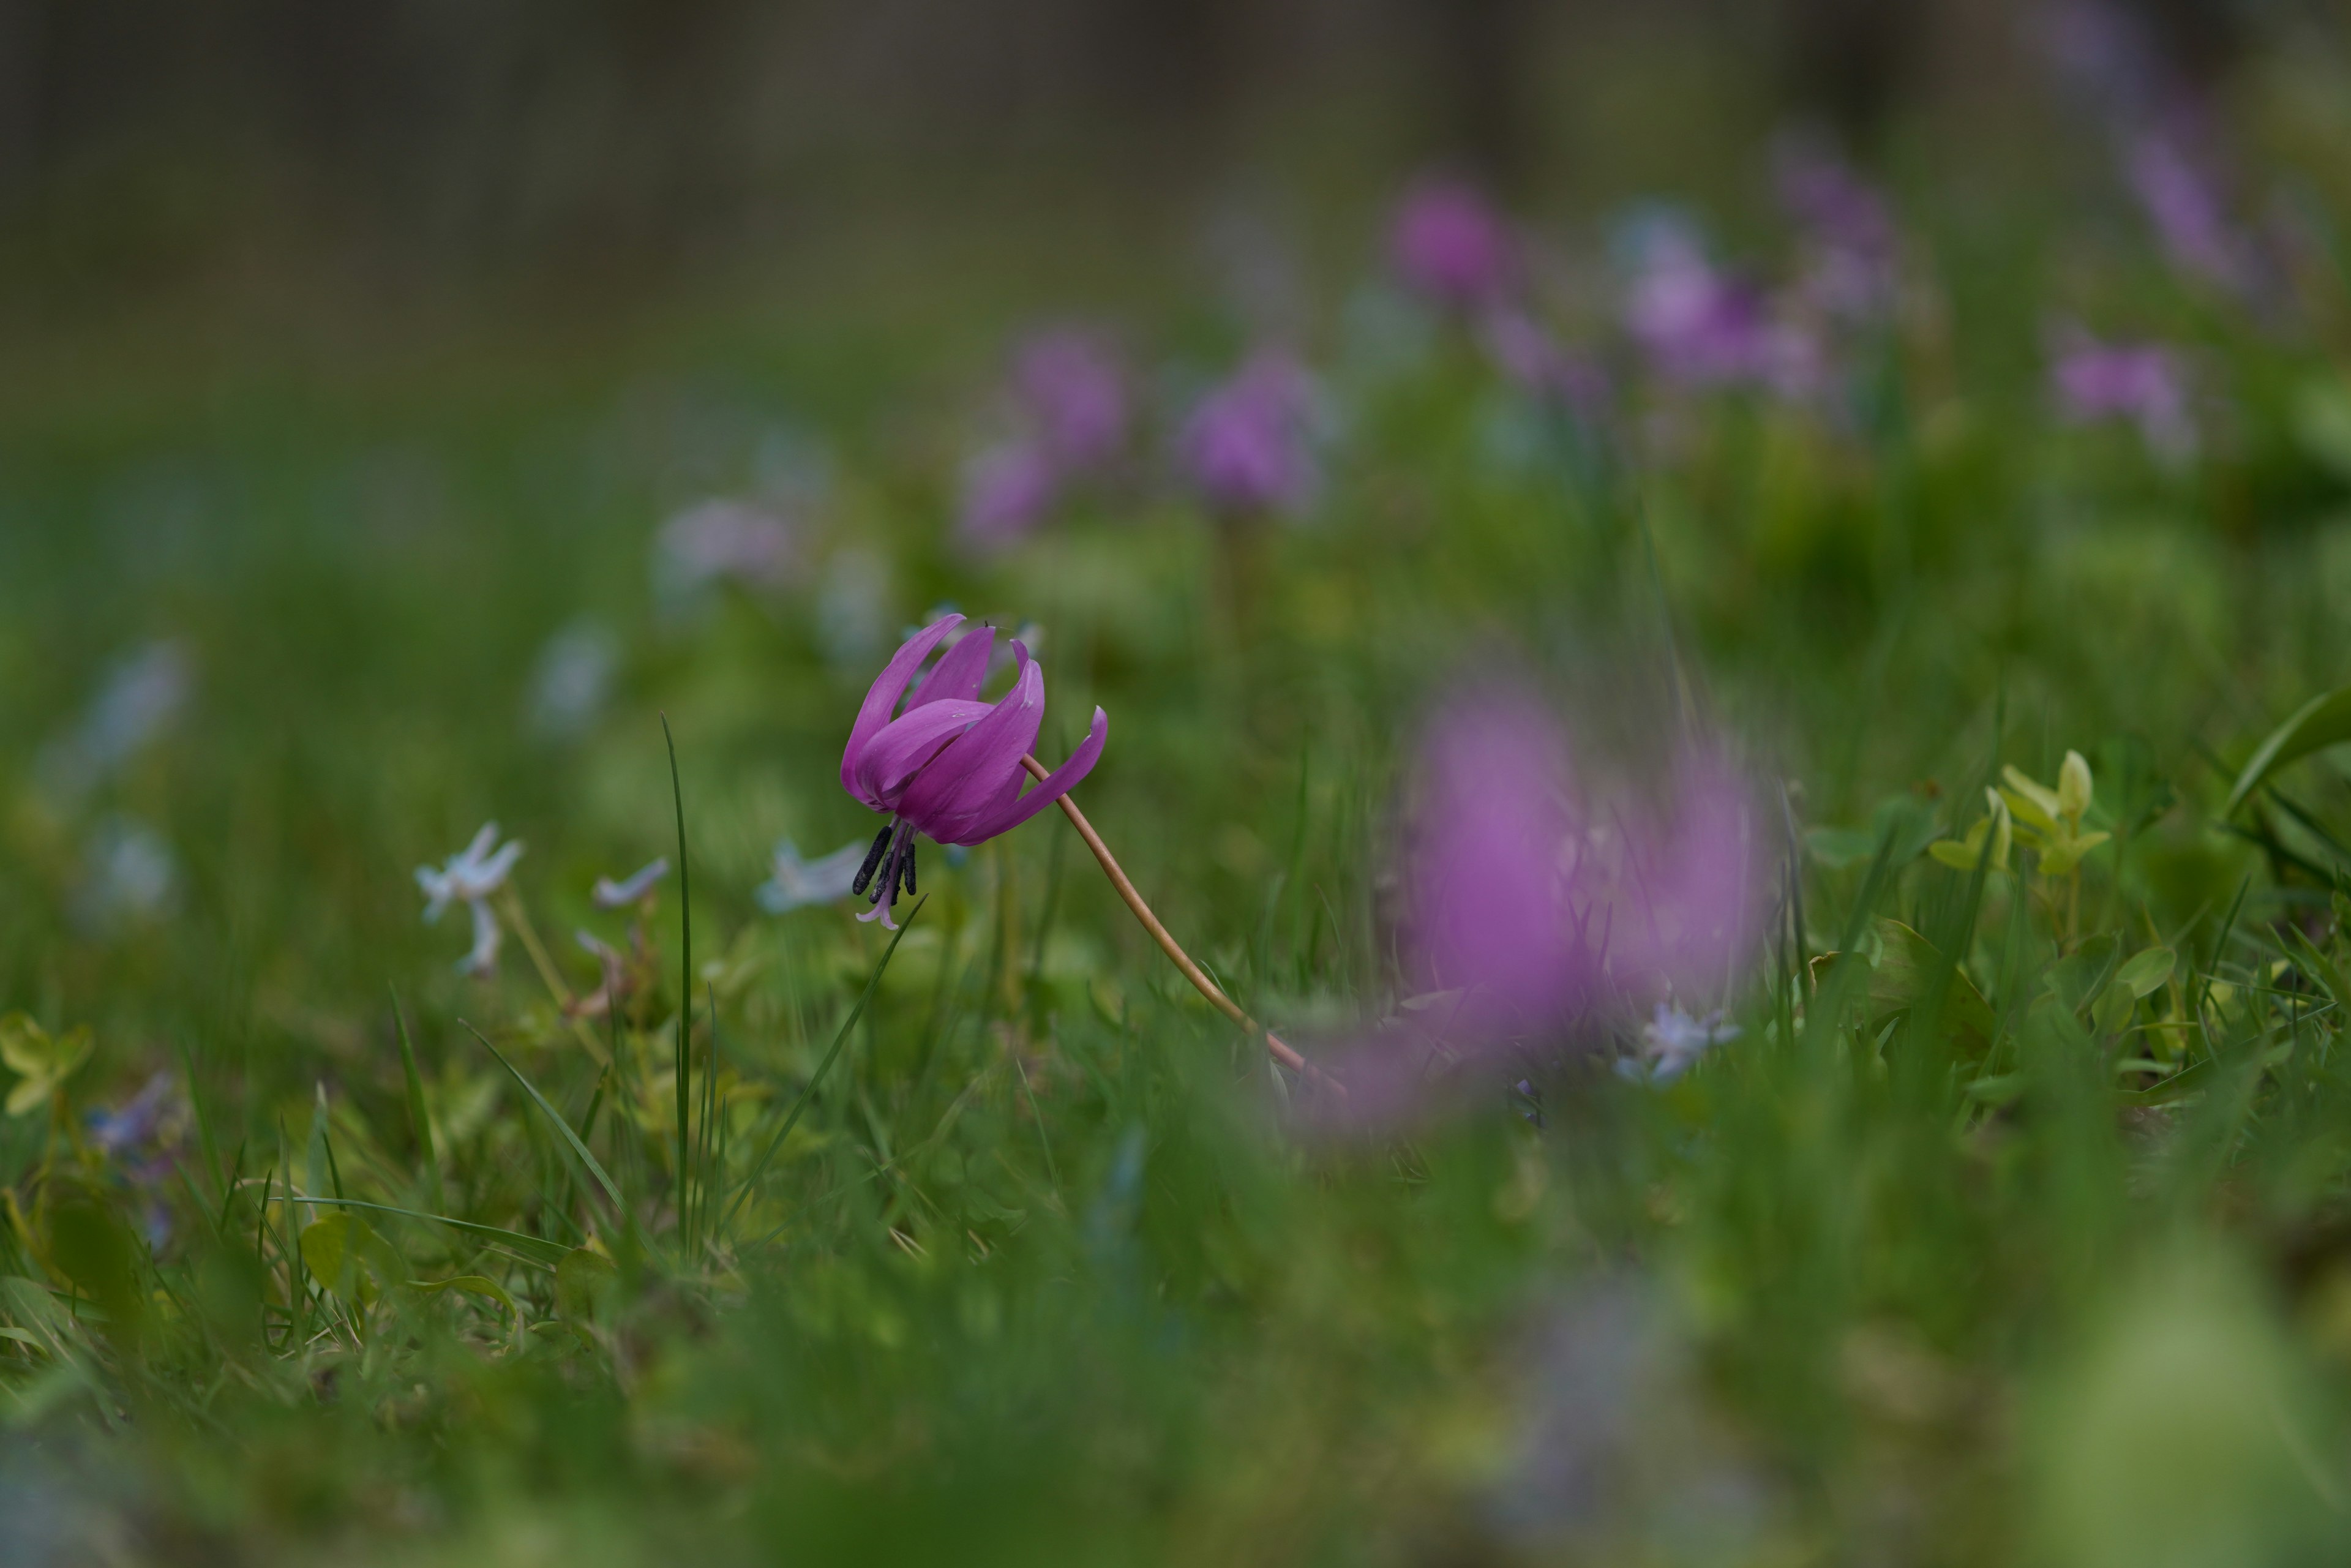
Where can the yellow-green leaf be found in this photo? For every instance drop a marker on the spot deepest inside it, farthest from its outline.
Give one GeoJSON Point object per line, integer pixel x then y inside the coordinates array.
{"type": "Point", "coordinates": [2145, 972]}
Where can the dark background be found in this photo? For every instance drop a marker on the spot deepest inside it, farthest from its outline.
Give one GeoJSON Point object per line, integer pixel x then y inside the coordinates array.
{"type": "Point", "coordinates": [406, 144]}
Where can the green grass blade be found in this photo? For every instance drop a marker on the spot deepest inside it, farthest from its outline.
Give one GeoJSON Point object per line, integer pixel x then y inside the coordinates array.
{"type": "Point", "coordinates": [841, 1037]}
{"type": "Point", "coordinates": [416, 1112]}
{"type": "Point", "coordinates": [554, 1118]}
{"type": "Point", "coordinates": [2323, 721]}
{"type": "Point", "coordinates": [515, 1238]}
{"type": "Point", "coordinates": [684, 1057]}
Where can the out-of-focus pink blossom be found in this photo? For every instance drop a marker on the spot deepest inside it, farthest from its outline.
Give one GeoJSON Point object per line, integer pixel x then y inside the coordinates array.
{"type": "Point", "coordinates": [1540, 366]}
{"type": "Point", "coordinates": [1073, 386]}
{"type": "Point", "coordinates": [2144, 383]}
{"type": "Point", "coordinates": [1008, 491]}
{"type": "Point", "coordinates": [2182, 200]}
{"type": "Point", "coordinates": [1451, 245]}
{"type": "Point", "coordinates": [1247, 447]}
{"type": "Point", "coordinates": [1849, 235]}
{"type": "Point", "coordinates": [1704, 327]}
{"type": "Point", "coordinates": [1529, 905]}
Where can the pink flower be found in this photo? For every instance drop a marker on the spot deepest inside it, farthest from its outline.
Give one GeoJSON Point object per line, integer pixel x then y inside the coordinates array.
{"type": "Point", "coordinates": [950, 765]}
{"type": "Point", "coordinates": [1008, 491]}
{"type": "Point", "coordinates": [2144, 383]}
{"type": "Point", "coordinates": [1247, 446]}
{"type": "Point", "coordinates": [1849, 234]}
{"type": "Point", "coordinates": [2183, 200]}
{"type": "Point", "coordinates": [1530, 907]}
{"type": "Point", "coordinates": [1702, 326]}
{"type": "Point", "coordinates": [1451, 245]}
{"type": "Point", "coordinates": [1073, 387]}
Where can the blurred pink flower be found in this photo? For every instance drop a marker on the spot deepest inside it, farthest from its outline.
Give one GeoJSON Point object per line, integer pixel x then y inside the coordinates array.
{"type": "Point", "coordinates": [1527, 906]}
{"type": "Point", "coordinates": [1008, 491]}
{"type": "Point", "coordinates": [1849, 234]}
{"type": "Point", "coordinates": [1073, 386]}
{"type": "Point", "coordinates": [1702, 326]}
{"type": "Point", "coordinates": [949, 766]}
{"type": "Point", "coordinates": [2144, 383]}
{"type": "Point", "coordinates": [1247, 447]}
{"type": "Point", "coordinates": [1526, 352]}
{"type": "Point", "coordinates": [1451, 245]}
{"type": "Point", "coordinates": [2183, 198]}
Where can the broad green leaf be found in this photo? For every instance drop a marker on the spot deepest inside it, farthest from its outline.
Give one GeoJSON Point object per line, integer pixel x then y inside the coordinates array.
{"type": "Point", "coordinates": [2322, 722]}
{"type": "Point", "coordinates": [2114, 1007]}
{"type": "Point", "coordinates": [584, 1280]}
{"type": "Point", "coordinates": [2145, 972]}
{"type": "Point", "coordinates": [336, 1249]}
{"type": "Point", "coordinates": [2031, 800]}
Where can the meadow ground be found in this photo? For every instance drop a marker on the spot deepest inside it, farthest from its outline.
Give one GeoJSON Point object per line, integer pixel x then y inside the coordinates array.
{"type": "Point", "coordinates": [2001, 1217]}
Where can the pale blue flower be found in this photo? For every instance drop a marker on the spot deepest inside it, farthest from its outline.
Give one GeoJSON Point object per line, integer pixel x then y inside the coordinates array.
{"type": "Point", "coordinates": [573, 679]}
{"type": "Point", "coordinates": [470, 877]}
{"type": "Point", "coordinates": [798, 882]}
{"type": "Point", "coordinates": [611, 894]}
{"type": "Point", "coordinates": [1672, 1042]}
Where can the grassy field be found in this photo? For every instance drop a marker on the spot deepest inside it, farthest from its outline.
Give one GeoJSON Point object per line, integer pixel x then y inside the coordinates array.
{"type": "Point", "coordinates": [2002, 1219]}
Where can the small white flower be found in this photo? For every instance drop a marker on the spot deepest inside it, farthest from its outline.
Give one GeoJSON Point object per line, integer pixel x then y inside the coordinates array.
{"type": "Point", "coordinates": [469, 877]}
{"type": "Point", "coordinates": [142, 695]}
{"type": "Point", "coordinates": [611, 894]}
{"type": "Point", "coordinates": [1672, 1042]}
{"type": "Point", "coordinates": [798, 883]}
{"type": "Point", "coordinates": [573, 679]}
{"type": "Point", "coordinates": [129, 873]}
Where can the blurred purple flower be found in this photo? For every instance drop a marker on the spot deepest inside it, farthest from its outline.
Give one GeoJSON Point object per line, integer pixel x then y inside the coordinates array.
{"type": "Point", "coordinates": [2183, 200]}
{"type": "Point", "coordinates": [1526, 907]}
{"type": "Point", "coordinates": [134, 1125]}
{"type": "Point", "coordinates": [950, 765]}
{"type": "Point", "coordinates": [1539, 365]}
{"type": "Point", "coordinates": [1849, 234]}
{"type": "Point", "coordinates": [1247, 447]}
{"type": "Point", "coordinates": [1452, 246]}
{"type": "Point", "coordinates": [2144, 383]}
{"type": "Point", "coordinates": [720, 540]}
{"type": "Point", "coordinates": [1007, 491]}
{"type": "Point", "coordinates": [1074, 389]}
{"type": "Point", "coordinates": [1704, 327]}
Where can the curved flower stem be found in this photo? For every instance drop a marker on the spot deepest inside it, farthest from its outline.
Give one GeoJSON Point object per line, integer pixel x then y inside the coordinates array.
{"type": "Point", "coordinates": [1175, 951]}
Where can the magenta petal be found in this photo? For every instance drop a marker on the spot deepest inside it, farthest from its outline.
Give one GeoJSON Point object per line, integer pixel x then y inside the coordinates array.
{"type": "Point", "coordinates": [960, 670]}
{"type": "Point", "coordinates": [904, 745]}
{"type": "Point", "coordinates": [965, 781]}
{"type": "Point", "coordinates": [882, 697]}
{"type": "Point", "coordinates": [1487, 899]}
{"type": "Point", "coordinates": [1055, 784]}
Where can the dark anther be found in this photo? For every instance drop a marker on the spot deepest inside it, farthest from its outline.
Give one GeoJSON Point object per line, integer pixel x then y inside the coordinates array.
{"type": "Point", "coordinates": [872, 859]}
{"type": "Point", "coordinates": [908, 873]}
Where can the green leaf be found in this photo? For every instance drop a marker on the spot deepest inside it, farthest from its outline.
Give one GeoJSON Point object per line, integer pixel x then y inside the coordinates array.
{"type": "Point", "coordinates": [338, 1248]}
{"type": "Point", "coordinates": [2145, 972]}
{"type": "Point", "coordinates": [584, 1282]}
{"type": "Point", "coordinates": [2114, 1007]}
{"type": "Point", "coordinates": [2321, 722]}
{"type": "Point", "coordinates": [547, 1250]}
